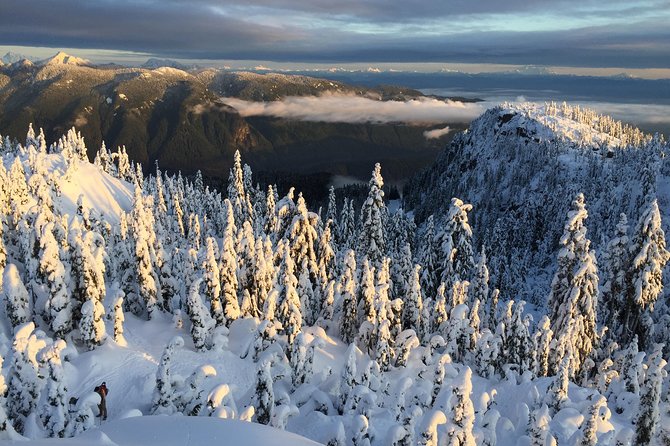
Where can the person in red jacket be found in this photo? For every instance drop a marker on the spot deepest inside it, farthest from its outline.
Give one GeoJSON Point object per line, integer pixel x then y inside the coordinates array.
{"type": "Point", "coordinates": [102, 391]}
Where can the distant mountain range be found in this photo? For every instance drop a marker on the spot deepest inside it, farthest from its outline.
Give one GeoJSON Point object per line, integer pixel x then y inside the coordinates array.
{"type": "Point", "coordinates": [173, 115]}
{"type": "Point", "coordinates": [11, 57]}
{"type": "Point", "coordinates": [154, 63]}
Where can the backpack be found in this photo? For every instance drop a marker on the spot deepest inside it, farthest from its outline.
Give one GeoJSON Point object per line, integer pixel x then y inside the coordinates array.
{"type": "Point", "coordinates": [102, 390]}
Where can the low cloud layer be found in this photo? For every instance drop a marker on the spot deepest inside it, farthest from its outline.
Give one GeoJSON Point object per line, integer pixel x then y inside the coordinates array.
{"type": "Point", "coordinates": [634, 113]}
{"type": "Point", "coordinates": [424, 111]}
{"type": "Point", "coordinates": [436, 133]}
{"type": "Point", "coordinates": [356, 109]}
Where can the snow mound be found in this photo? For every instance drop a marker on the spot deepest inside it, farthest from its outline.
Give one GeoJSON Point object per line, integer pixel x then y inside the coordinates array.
{"type": "Point", "coordinates": [179, 431]}
{"type": "Point", "coordinates": [102, 192]}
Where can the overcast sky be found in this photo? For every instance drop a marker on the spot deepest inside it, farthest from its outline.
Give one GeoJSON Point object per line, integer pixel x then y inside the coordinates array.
{"type": "Point", "coordinates": [572, 33]}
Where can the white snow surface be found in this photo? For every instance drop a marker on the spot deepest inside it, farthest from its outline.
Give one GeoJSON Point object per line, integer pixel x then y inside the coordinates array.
{"type": "Point", "coordinates": [546, 126]}
{"type": "Point", "coordinates": [129, 372]}
{"type": "Point", "coordinates": [101, 191]}
{"type": "Point", "coordinates": [178, 431]}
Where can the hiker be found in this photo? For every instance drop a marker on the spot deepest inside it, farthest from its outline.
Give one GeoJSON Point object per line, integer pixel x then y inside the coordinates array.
{"type": "Point", "coordinates": [102, 391]}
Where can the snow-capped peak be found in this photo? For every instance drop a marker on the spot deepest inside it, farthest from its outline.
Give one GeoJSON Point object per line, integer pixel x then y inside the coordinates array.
{"type": "Point", "coordinates": [11, 57]}
{"type": "Point", "coordinates": [62, 58]}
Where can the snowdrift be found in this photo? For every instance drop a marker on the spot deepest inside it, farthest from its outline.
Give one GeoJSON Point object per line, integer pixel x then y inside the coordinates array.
{"type": "Point", "coordinates": [178, 431]}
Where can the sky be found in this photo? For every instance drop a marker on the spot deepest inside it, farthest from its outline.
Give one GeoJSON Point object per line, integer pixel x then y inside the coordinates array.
{"type": "Point", "coordinates": [578, 35]}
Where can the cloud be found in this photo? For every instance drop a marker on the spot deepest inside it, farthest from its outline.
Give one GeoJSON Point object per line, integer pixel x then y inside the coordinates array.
{"type": "Point", "coordinates": [617, 33]}
{"type": "Point", "coordinates": [436, 133]}
{"type": "Point", "coordinates": [633, 113]}
{"type": "Point", "coordinates": [356, 109]}
{"type": "Point", "coordinates": [80, 121]}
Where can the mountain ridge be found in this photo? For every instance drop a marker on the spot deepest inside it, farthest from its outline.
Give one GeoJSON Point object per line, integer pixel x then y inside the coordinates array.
{"type": "Point", "coordinates": [156, 114]}
{"type": "Point", "coordinates": [519, 164]}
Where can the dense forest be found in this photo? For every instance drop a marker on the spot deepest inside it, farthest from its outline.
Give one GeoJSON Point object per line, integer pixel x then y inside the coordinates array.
{"type": "Point", "coordinates": [430, 313]}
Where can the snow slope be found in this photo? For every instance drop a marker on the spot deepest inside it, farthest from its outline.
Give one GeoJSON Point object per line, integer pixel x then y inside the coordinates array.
{"type": "Point", "coordinates": [129, 372]}
{"type": "Point", "coordinates": [177, 431]}
{"type": "Point", "coordinates": [108, 195]}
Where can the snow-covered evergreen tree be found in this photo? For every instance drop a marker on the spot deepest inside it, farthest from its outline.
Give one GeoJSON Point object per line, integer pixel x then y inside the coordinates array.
{"type": "Point", "coordinates": [538, 426]}
{"type": "Point", "coordinates": [303, 238]}
{"type": "Point", "coordinates": [16, 296]}
{"type": "Point", "coordinates": [428, 258]}
{"type": "Point", "coordinates": [347, 377]}
{"type": "Point", "coordinates": [289, 312]}
{"type": "Point", "coordinates": [401, 272]}
{"type": "Point", "coordinates": [648, 257]}
{"type": "Point", "coordinates": [246, 263]}
{"type": "Point", "coordinates": [557, 394]}
{"type": "Point", "coordinates": [198, 314]}
{"type": "Point", "coordinates": [454, 242]}
{"type": "Point", "coordinates": [347, 233]}
{"type": "Point", "coordinates": [270, 226]}
{"type": "Point", "coordinates": [347, 292]}
{"type": "Point", "coordinates": [339, 437]}
{"type": "Point", "coordinates": [211, 276]}
{"type": "Point", "coordinates": [487, 353]}
{"type": "Point", "coordinates": [163, 401]}
{"type": "Point", "coordinates": [439, 315]}
{"type": "Point", "coordinates": [542, 340]}
{"type": "Point", "coordinates": [194, 231]}
{"type": "Point", "coordinates": [574, 289]}
{"type": "Point", "coordinates": [92, 325]}
{"type": "Point", "coordinates": [413, 307]}
{"type": "Point", "coordinates": [54, 412]}
{"type": "Point", "coordinates": [479, 288]}
{"type": "Point", "coordinates": [264, 394]}
{"type": "Point", "coordinates": [462, 413]}
{"type": "Point", "coordinates": [360, 427]}
{"type": "Point", "coordinates": [87, 271]}
{"type": "Point", "coordinates": [326, 255]}
{"type": "Point", "coordinates": [428, 435]}
{"type": "Point", "coordinates": [373, 219]}
{"type": "Point", "coordinates": [331, 211]}
{"type": "Point", "coordinates": [615, 264]}
{"type": "Point", "coordinates": [52, 271]}
{"type": "Point", "coordinates": [647, 418]}
{"type": "Point", "coordinates": [299, 365]}
{"type": "Point", "coordinates": [24, 385]}
{"type": "Point", "coordinates": [119, 317]}
{"type": "Point", "coordinates": [228, 268]}
{"type": "Point", "coordinates": [383, 339]}
{"type": "Point", "coordinates": [589, 431]}
{"type": "Point", "coordinates": [307, 295]}
{"type": "Point", "coordinates": [237, 194]}
{"type": "Point", "coordinates": [144, 236]}
{"type": "Point", "coordinates": [190, 400]}
{"type": "Point", "coordinates": [517, 347]}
